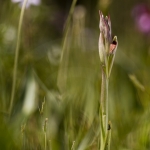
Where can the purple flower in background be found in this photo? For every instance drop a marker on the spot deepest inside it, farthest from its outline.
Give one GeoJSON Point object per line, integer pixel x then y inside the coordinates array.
{"type": "Point", "coordinates": [30, 2]}
{"type": "Point", "coordinates": [141, 14]}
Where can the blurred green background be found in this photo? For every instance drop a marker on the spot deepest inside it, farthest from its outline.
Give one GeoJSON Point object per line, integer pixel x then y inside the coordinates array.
{"type": "Point", "coordinates": [59, 75]}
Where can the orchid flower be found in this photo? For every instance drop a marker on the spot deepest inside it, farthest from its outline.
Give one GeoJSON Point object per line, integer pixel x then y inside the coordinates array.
{"type": "Point", "coordinates": [107, 43]}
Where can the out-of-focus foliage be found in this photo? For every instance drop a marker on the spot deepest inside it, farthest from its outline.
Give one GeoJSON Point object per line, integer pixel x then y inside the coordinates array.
{"type": "Point", "coordinates": [59, 76]}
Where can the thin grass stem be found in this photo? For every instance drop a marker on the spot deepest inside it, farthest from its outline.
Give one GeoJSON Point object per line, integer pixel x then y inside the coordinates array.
{"type": "Point", "coordinates": [61, 80]}
{"type": "Point", "coordinates": [67, 24]}
{"type": "Point", "coordinates": [16, 57]}
{"type": "Point", "coordinates": [45, 136]}
{"type": "Point", "coordinates": [45, 143]}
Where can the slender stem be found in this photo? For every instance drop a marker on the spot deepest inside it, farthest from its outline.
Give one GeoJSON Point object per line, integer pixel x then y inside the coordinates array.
{"type": "Point", "coordinates": [45, 136]}
{"type": "Point", "coordinates": [67, 24]}
{"type": "Point", "coordinates": [45, 141]}
{"type": "Point", "coordinates": [104, 99]}
{"type": "Point", "coordinates": [16, 56]}
{"type": "Point", "coordinates": [72, 148]}
{"type": "Point", "coordinates": [70, 14]}
{"type": "Point", "coordinates": [23, 135]}
{"type": "Point", "coordinates": [23, 141]}
{"type": "Point", "coordinates": [109, 139]}
{"type": "Point", "coordinates": [62, 78]}
{"type": "Point", "coordinates": [104, 108]}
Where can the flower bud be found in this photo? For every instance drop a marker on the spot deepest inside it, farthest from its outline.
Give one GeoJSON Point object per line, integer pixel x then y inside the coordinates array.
{"type": "Point", "coordinates": [101, 48]}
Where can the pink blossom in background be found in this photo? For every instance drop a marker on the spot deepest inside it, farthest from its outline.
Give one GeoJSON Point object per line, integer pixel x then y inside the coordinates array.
{"type": "Point", "coordinates": [141, 15]}
{"type": "Point", "coordinates": [30, 2]}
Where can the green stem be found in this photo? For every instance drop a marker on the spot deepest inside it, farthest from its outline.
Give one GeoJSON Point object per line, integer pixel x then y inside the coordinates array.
{"type": "Point", "coordinates": [109, 139]}
{"type": "Point", "coordinates": [62, 78]}
{"type": "Point", "coordinates": [23, 141]}
{"type": "Point", "coordinates": [45, 141]}
{"type": "Point", "coordinates": [104, 108]}
{"type": "Point", "coordinates": [67, 24]}
{"type": "Point", "coordinates": [16, 57]}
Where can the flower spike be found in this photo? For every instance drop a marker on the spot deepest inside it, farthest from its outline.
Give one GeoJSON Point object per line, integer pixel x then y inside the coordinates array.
{"type": "Point", "coordinates": [107, 44]}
